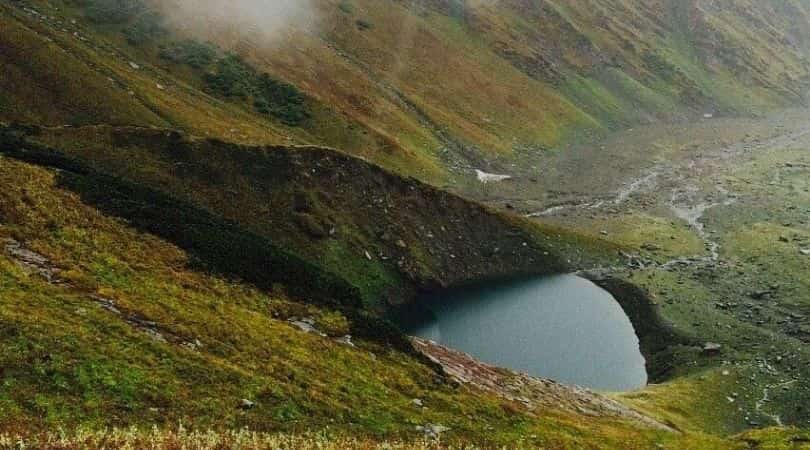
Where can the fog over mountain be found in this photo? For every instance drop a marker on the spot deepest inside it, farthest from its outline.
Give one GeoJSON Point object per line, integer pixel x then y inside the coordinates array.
{"type": "Point", "coordinates": [269, 19]}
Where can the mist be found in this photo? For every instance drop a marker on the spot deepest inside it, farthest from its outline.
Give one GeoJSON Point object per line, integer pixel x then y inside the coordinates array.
{"type": "Point", "coordinates": [266, 19]}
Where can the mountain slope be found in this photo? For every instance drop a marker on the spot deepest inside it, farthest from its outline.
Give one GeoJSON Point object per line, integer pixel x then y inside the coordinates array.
{"type": "Point", "coordinates": [107, 321]}
{"type": "Point", "coordinates": [366, 225]}
{"type": "Point", "coordinates": [490, 78]}
{"type": "Point", "coordinates": [432, 88]}
{"type": "Point", "coordinates": [178, 243]}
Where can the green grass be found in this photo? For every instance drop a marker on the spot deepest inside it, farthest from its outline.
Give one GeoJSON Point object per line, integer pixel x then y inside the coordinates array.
{"type": "Point", "coordinates": [425, 118]}
{"type": "Point", "coordinates": [205, 238]}
{"type": "Point", "coordinates": [638, 230]}
{"type": "Point", "coordinates": [368, 226]}
{"type": "Point", "coordinates": [67, 362]}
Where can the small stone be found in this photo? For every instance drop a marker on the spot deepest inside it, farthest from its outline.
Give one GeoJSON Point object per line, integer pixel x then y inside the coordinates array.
{"type": "Point", "coordinates": [759, 295]}
{"type": "Point", "coordinates": [345, 340]}
{"type": "Point", "coordinates": [307, 325]}
{"type": "Point", "coordinates": [246, 404]}
{"type": "Point", "coordinates": [432, 430]}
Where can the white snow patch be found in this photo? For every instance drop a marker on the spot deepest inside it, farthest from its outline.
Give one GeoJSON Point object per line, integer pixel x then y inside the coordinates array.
{"type": "Point", "coordinates": [490, 177]}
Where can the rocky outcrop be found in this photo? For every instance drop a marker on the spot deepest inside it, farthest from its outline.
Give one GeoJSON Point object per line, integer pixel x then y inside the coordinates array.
{"type": "Point", "coordinates": [657, 338]}
{"type": "Point", "coordinates": [534, 394]}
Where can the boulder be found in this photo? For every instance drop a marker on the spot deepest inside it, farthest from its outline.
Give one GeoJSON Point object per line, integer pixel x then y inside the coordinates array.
{"type": "Point", "coordinates": [431, 430]}
{"type": "Point", "coordinates": [712, 349]}
{"type": "Point", "coordinates": [759, 295]}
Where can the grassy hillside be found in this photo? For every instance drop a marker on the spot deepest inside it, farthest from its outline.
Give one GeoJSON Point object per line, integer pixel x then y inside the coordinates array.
{"type": "Point", "coordinates": [366, 225]}
{"type": "Point", "coordinates": [431, 89]}
{"type": "Point", "coordinates": [182, 246]}
{"type": "Point", "coordinates": [108, 322]}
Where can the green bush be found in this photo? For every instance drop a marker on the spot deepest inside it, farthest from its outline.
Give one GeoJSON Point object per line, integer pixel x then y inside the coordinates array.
{"type": "Point", "coordinates": [346, 7]}
{"type": "Point", "coordinates": [192, 53]}
{"type": "Point", "coordinates": [283, 101]}
{"type": "Point", "coordinates": [364, 24]}
{"type": "Point", "coordinates": [231, 78]}
{"type": "Point", "coordinates": [660, 66]}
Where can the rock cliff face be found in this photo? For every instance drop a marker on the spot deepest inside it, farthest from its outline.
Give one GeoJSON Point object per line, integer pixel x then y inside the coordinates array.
{"type": "Point", "coordinates": [536, 394]}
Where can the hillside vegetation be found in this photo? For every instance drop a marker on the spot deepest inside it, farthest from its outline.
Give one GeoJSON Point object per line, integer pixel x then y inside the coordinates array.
{"type": "Point", "coordinates": [110, 318]}
{"type": "Point", "coordinates": [202, 222]}
{"type": "Point", "coordinates": [368, 226]}
{"type": "Point", "coordinates": [431, 88]}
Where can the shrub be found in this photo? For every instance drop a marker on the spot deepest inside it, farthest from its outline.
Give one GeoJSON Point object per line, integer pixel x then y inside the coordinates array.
{"type": "Point", "coordinates": [364, 24]}
{"type": "Point", "coordinates": [190, 52]}
{"type": "Point", "coordinates": [231, 78]}
{"type": "Point", "coordinates": [346, 7]}
{"type": "Point", "coordinates": [281, 100]}
{"type": "Point", "coordinates": [660, 66]}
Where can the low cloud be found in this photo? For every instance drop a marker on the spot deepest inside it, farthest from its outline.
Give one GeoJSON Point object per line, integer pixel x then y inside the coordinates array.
{"type": "Point", "coordinates": [267, 19]}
